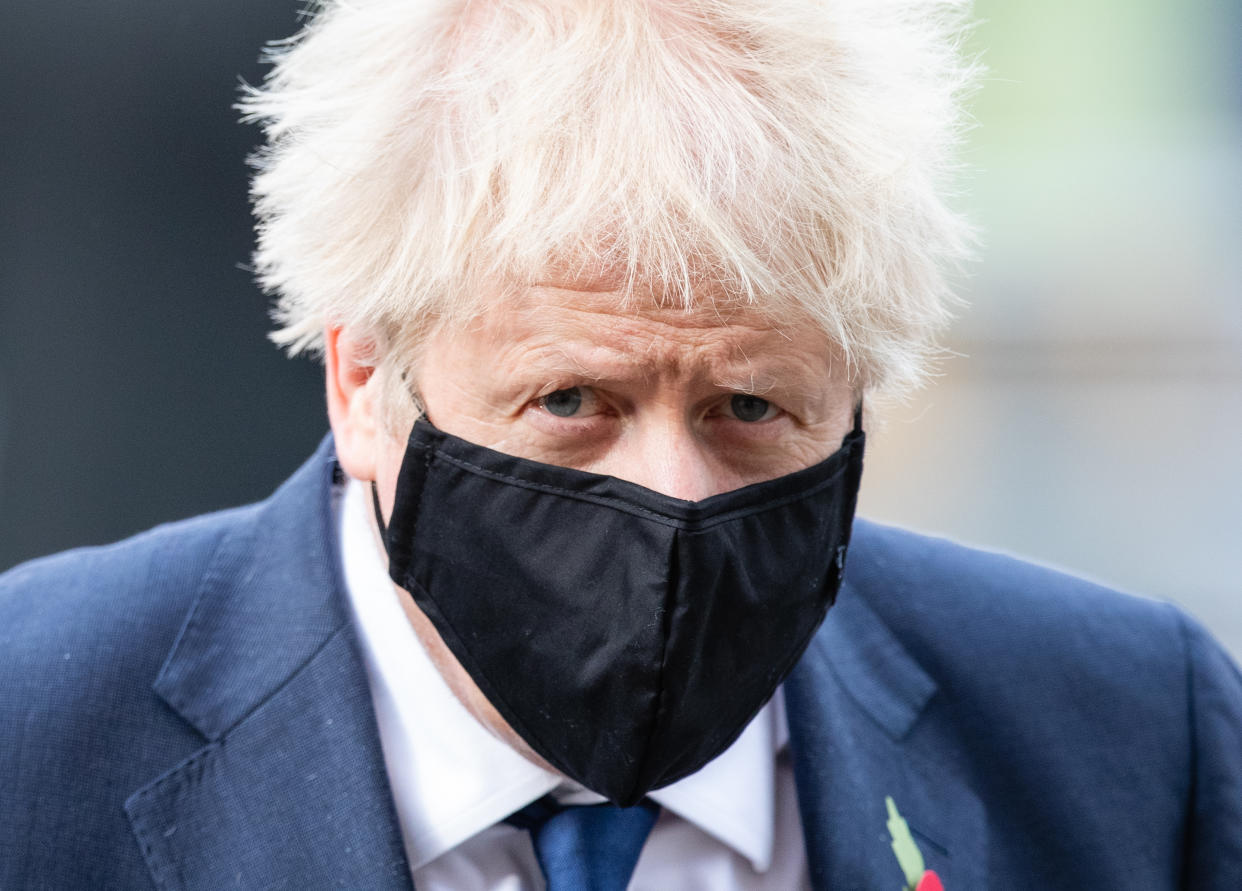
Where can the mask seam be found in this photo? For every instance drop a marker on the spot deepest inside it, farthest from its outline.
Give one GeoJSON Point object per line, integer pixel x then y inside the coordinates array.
{"type": "Point", "coordinates": [655, 516]}
{"type": "Point", "coordinates": [666, 623]}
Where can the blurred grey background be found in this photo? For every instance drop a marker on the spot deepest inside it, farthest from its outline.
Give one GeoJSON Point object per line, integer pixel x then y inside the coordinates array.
{"type": "Point", "coordinates": [135, 382]}
{"type": "Point", "coordinates": [1091, 418]}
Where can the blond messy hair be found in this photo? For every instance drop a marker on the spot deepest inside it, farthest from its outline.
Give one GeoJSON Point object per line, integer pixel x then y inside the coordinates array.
{"type": "Point", "coordinates": [789, 154]}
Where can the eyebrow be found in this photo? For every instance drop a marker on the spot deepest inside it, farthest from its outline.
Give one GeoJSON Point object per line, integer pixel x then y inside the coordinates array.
{"type": "Point", "coordinates": [764, 376]}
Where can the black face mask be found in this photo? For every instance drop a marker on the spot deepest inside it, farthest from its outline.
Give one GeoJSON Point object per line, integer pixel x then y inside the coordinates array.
{"type": "Point", "coordinates": [628, 637]}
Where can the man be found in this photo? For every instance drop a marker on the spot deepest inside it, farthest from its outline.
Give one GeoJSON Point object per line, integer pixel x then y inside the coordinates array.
{"type": "Point", "coordinates": [601, 291]}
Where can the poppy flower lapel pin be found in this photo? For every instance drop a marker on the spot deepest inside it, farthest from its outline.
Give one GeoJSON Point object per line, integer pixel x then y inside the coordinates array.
{"type": "Point", "coordinates": [918, 878]}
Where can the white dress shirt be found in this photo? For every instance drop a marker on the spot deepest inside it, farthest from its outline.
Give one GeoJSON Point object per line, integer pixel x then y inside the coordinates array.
{"type": "Point", "coordinates": [732, 825]}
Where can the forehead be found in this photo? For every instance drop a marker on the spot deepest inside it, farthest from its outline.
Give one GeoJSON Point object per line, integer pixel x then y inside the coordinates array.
{"type": "Point", "coordinates": [551, 335]}
{"type": "Point", "coordinates": [597, 325]}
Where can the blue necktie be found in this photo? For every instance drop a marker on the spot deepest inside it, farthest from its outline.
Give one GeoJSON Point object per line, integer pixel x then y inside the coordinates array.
{"type": "Point", "coordinates": [586, 847]}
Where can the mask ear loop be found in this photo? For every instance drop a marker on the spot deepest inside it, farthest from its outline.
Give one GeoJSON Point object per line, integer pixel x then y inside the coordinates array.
{"type": "Point", "coordinates": [379, 515]}
{"type": "Point", "coordinates": [375, 501]}
{"type": "Point", "coordinates": [858, 418]}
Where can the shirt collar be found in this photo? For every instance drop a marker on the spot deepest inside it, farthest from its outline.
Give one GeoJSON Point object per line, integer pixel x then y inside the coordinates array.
{"type": "Point", "coordinates": [452, 778]}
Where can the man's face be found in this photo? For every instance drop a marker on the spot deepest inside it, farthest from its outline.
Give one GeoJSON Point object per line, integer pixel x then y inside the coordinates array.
{"type": "Point", "coordinates": [689, 404]}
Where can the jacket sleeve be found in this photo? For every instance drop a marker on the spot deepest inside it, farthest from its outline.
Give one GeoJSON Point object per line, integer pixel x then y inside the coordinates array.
{"type": "Point", "coordinates": [1214, 830]}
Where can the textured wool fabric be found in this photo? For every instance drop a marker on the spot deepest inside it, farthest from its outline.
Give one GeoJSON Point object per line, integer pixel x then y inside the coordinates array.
{"type": "Point", "coordinates": [649, 630]}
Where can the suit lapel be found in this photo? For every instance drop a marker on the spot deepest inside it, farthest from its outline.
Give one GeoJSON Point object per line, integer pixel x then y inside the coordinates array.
{"type": "Point", "coordinates": [854, 701]}
{"type": "Point", "coordinates": [289, 790]}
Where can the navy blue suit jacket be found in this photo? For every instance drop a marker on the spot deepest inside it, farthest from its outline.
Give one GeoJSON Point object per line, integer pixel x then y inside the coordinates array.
{"type": "Point", "coordinates": [188, 710]}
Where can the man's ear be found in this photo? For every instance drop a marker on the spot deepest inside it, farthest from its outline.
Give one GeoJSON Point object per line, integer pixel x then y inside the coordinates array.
{"type": "Point", "coordinates": [353, 402]}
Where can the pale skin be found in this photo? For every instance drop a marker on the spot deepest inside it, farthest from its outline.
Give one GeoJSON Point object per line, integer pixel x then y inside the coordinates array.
{"type": "Point", "coordinates": [687, 403]}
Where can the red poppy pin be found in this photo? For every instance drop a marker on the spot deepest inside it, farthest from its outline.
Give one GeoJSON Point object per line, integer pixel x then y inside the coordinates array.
{"type": "Point", "coordinates": [909, 857]}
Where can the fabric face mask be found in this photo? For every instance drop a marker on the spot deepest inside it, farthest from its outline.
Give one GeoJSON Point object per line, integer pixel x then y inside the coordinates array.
{"type": "Point", "coordinates": [628, 637]}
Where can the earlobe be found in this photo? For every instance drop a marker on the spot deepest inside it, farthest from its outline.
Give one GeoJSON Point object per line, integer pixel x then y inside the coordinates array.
{"type": "Point", "coordinates": [352, 402]}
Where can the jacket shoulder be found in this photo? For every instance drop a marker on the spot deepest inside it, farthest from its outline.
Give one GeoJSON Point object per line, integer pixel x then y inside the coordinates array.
{"type": "Point", "coordinates": [933, 589]}
{"type": "Point", "coordinates": [95, 609]}
{"type": "Point", "coordinates": [1036, 662]}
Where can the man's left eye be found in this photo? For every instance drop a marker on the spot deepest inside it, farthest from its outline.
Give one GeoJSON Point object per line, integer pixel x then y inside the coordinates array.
{"type": "Point", "coordinates": [751, 409]}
